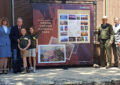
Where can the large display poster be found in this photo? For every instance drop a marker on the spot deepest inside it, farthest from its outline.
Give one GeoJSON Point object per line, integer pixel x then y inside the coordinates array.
{"type": "Point", "coordinates": [67, 27]}
{"type": "Point", "coordinates": [51, 54]}
{"type": "Point", "coordinates": [74, 26]}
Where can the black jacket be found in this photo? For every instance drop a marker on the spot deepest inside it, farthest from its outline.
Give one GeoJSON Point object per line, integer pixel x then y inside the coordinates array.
{"type": "Point", "coordinates": [14, 35]}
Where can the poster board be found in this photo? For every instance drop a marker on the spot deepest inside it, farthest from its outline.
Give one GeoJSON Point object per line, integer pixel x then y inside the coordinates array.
{"type": "Point", "coordinates": [51, 54]}
{"type": "Point", "coordinates": [46, 18]}
{"type": "Point", "coordinates": [74, 26]}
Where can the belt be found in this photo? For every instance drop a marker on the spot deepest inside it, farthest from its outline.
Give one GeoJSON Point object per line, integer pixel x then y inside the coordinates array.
{"type": "Point", "coordinates": [104, 39]}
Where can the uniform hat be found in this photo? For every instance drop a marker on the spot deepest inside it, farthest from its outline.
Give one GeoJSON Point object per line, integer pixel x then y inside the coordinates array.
{"type": "Point", "coordinates": [104, 17]}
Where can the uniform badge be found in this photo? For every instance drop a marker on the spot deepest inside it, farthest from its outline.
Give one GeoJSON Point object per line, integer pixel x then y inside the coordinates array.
{"type": "Point", "coordinates": [34, 38]}
{"type": "Point", "coordinates": [25, 38]}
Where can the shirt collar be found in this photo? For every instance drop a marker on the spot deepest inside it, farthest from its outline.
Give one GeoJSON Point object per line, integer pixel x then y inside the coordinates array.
{"type": "Point", "coordinates": [116, 25]}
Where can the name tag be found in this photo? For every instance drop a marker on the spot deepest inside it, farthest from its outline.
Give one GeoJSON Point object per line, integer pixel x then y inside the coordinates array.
{"type": "Point", "coordinates": [34, 38]}
{"type": "Point", "coordinates": [25, 38]}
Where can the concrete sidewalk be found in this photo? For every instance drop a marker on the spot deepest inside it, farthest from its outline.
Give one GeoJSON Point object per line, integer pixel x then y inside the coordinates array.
{"type": "Point", "coordinates": [72, 76]}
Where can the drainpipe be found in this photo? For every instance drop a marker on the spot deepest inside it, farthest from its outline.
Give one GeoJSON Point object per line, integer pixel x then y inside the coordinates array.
{"type": "Point", "coordinates": [12, 12]}
{"type": "Point", "coordinates": [105, 7]}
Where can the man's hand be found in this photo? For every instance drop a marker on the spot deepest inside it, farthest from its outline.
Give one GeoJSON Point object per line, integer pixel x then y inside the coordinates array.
{"type": "Point", "coordinates": [118, 44]}
{"type": "Point", "coordinates": [111, 42]}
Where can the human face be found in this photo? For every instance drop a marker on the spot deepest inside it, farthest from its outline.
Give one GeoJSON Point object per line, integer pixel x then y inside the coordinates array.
{"type": "Point", "coordinates": [5, 22]}
{"type": "Point", "coordinates": [104, 21]}
{"type": "Point", "coordinates": [23, 32]}
{"type": "Point", "coordinates": [116, 21]}
{"type": "Point", "coordinates": [19, 22]}
{"type": "Point", "coordinates": [31, 30]}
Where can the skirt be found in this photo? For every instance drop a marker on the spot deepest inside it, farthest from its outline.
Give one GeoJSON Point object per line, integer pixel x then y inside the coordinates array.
{"type": "Point", "coordinates": [5, 51]}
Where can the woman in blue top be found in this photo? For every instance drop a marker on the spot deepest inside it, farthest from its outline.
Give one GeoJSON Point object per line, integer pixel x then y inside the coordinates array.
{"type": "Point", "coordinates": [5, 45]}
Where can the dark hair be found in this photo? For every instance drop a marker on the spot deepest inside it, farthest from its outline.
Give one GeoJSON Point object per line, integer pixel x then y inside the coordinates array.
{"type": "Point", "coordinates": [33, 29]}
{"type": "Point", "coordinates": [4, 19]}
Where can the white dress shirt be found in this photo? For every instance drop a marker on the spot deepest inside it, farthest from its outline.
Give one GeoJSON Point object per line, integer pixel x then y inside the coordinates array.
{"type": "Point", "coordinates": [116, 30]}
{"type": "Point", "coordinates": [5, 28]}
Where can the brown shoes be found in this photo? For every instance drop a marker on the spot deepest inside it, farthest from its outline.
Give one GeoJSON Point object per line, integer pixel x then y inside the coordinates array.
{"type": "Point", "coordinates": [24, 71]}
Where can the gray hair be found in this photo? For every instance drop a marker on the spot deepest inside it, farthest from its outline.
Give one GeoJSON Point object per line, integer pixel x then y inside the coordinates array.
{"type": "Point", "coordinates": [116, 18]}
{"type": "Point", "coordinates": [19, 18]}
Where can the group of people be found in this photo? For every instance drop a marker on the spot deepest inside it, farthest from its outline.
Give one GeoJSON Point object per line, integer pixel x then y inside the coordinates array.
{"type": "Point", "coordinates": [109, 37]}
{"type": "Point", "coordinates": [19, 43]}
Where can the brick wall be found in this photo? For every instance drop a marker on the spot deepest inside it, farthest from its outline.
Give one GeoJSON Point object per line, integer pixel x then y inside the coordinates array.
{"type": "Point", "coordinates": [113, 10]}
{"type": "Point", "coordinates": [5, 9]}
{"type": "Point", "coordinates": [99, 11]}
{"type": "Point", "coordinates": [24, 9]}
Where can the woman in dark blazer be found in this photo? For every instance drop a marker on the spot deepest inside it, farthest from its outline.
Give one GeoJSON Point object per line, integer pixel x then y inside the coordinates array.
{"type": "Point", "coordinates": [5, 45]}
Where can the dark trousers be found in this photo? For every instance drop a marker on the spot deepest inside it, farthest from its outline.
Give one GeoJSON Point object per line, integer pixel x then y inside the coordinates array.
{"type": "Point", "coordinates": [17, 61]}
{"type": "Point", "coordinates": [115, 53]}
{"type": "Point", "coordinates": [118, 57]}
{"type": "Point", "coordinates": [105, 46]}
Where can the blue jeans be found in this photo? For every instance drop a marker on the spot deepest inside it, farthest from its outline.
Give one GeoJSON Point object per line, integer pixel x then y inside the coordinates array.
{"type": "Point", "coordinates": [15, 52]}
{"type": "Point", "coordinates": [17, 61]}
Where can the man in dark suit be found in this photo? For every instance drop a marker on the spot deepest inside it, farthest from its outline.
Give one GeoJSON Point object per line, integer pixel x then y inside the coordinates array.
{"type": "Point", "coordinates": [15, 33]}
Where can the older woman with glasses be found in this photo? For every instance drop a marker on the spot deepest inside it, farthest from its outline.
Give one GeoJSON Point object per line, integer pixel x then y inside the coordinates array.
{"type": "Point", "coordinates": [5, 45]}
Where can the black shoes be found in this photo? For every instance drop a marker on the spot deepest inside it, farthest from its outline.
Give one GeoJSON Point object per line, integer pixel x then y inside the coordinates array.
{"type": "Point", "coordinates": [4, 71]}
{"type": "Point", "coordinates": [1, 71]}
